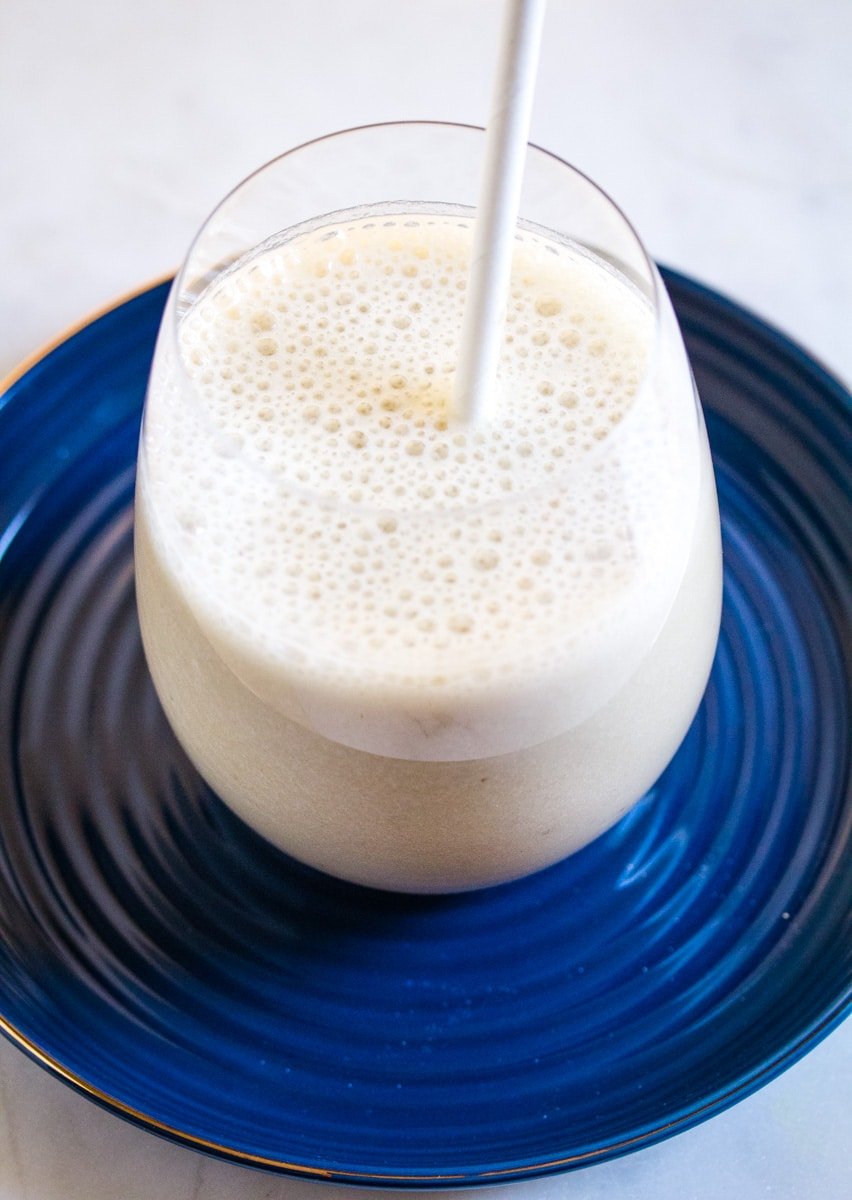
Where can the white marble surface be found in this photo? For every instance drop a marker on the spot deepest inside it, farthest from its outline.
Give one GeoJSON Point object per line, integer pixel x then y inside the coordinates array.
{"type": "Point", "coordinates": [721, 127]}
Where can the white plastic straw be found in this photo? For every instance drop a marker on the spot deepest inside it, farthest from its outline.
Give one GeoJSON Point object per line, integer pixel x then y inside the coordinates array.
{"type": "Point", "coordinates": [497, 213]}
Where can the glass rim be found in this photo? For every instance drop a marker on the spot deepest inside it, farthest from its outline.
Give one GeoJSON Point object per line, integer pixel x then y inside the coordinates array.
{"type": "Point", "coordinates": [422, 123]}
{"type": "Point", "coordinates": [579, 465]}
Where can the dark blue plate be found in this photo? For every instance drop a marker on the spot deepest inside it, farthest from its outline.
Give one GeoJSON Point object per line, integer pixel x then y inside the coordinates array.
{"type": "Point", "coordinates": [161, 958]}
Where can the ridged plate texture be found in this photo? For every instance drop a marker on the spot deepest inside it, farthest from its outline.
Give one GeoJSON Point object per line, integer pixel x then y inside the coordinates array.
{"type": "Point", "coordinates": [161, 958]}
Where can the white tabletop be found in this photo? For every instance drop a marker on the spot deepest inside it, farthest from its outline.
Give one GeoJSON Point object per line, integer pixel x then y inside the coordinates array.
{"type": "Point", "coordinates": [721, 128]}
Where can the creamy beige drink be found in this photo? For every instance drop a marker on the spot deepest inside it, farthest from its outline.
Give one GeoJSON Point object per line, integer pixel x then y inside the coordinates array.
{"type": "Point", "coordinates": [413, 653]}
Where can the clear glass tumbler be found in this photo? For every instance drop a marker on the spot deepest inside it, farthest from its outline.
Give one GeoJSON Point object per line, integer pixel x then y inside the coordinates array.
{"type": "Point", "coordinates": [416, 653]}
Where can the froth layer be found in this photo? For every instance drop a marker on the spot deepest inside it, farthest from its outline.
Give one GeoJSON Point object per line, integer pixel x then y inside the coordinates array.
{"type": "Point", "coordinates": [331, 360]}
{"type": "Point", "coordinates": [343, 541]}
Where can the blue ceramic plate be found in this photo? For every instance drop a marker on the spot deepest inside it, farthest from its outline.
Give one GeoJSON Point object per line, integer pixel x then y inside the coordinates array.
{"type": "Point", "coordinates": [161, 958]}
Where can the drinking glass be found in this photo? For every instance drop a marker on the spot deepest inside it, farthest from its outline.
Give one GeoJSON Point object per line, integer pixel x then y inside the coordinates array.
{"type": "Point", "coordinates": [414, 653]}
